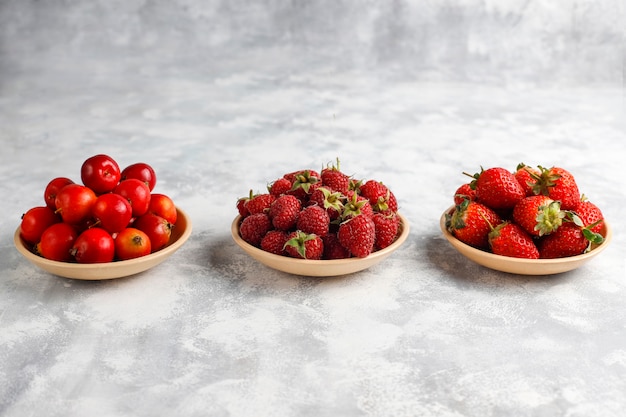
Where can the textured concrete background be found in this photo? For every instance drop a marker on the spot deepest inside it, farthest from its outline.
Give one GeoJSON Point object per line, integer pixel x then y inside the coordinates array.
{"type": "Point", "coordinates": [491, 41]}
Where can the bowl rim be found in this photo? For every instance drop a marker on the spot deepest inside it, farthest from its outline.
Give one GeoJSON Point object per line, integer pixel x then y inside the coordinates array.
{"type": "Point", "coordinates": [171, 247]}
{"type": "Point", "coordinates": [595, 249]}
{"type": "Point", "coordinates": [404, 234]}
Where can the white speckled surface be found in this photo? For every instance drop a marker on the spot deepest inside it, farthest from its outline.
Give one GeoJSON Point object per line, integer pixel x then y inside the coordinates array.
{"type": "Point", "coordinates": [224, 97]}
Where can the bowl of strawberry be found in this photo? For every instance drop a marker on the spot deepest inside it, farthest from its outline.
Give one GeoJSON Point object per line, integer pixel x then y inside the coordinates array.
{"type": "Point", "coordinates": [320, 223]}
{"type": "Point", "coordinates": [110, 224]}
{"type": "Point", "coordinates": [528, 221]}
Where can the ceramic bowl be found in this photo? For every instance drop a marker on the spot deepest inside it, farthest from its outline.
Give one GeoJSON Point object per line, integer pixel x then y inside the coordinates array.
{"type": "Point", "coordinates": [318, 268]}
{"type": "Point", "coordinates": [110, 270]}
{"type": "Point", "coordinates": [525, 266]}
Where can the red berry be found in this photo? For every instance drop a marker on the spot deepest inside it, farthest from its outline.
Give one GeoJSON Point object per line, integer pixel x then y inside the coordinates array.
{"type": "Point", "coordinates": [333, 249]}
{"type": "Point", "coordinates": [331, 201]}
{"type": "Point", "coordinates": [538, 215]}
{"type": "Point", "coordinates": [464, 192]}
{"type": "Point", "coordinates": [259, 203]}
{"type": "Point", "coordinates": [497, 188]}
{"type": "Point", "coordinates": [387, 226]}
{"type": "Point", "coordinates": [558, 184]}
{"type": "Point", "coordinates": [358, 235]}
{"type": "Point", "coordinates": [333, 178]}
{"type": "Point", "coordinates": [378, 195]}
{"type": "Point", "coordinates": [304, 245]}
{"type": "Point", "coordinates": [471, 222]}
{"type": "Point", "coordinates": [284, 212]}
{"type": "Point", "coordinates": [527, 177]}
{"type": "Point", "coordinates": [590, 214]}
{"type": "Point", "coordinates": [313, 219]}
{"type": "Point", "coordinates": [274, 242]}
{"type": "Point", "coordinates": [567, 240]}
{"type": "Point", "coordinates": [510, 239]}
{"type": "Point", "coordinates": [355, 205]}
{"type": "Point", "coordinates": [279, 187]}
{"type": "Point", "coordinates": [254, 227]}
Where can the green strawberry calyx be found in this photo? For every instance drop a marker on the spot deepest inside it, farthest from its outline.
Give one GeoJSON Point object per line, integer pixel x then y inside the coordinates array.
{"type": "Point", "coordinates": [590, 235]}
{"type": "Point", "coordinates": [549, 218]}
{"type": "Point", "coordinates": [544, 181]}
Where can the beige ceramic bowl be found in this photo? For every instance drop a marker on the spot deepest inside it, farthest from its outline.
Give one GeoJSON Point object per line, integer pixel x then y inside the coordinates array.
{"type": "Point", "coordinates": [110, 270]}
{"type": "Point", "coordinates": [524, 266]}
{"type": "Point", "coordinates": [318, 268]}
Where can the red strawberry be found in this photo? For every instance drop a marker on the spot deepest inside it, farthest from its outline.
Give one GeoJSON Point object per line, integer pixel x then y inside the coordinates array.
{"type": "Point", "coordinates": [526, 176]}
{"type": "Point", "coordinates": [358, 235]}
{"type": "Point", "coordinates": [304, 245]}
{"type": "Point", "coordinates": [497, 188]}
{"type": "Point", "coordinates": [313, 219]}
{"type": "Point", "coordinates": [355, 205]}
{"type": "Point", "coordinates": [589, 214]}
{"type": "Point", "coordinates": [465, 191]}
{"type": "Point", "coordinates": [280, 186]}
{"type": "Point", "coordinates": [274, 242]}
{"type": "Point", "coordinates": [387, 227]}
{"type": "Point", "coordinates": [558, 184]}
{"type": "Point", "coordinates": [254, 227]}
{"type": "Point", "coordinates": [509, 239]}
{"type": "Point", "coordinates": [333, 249]}
{"type": "Point", "coordinates": [377, 193]}
{"type": "Point", "coordinates": [284, 212]}
{"type": "Point", "coordinates": [538, 215]}
{"type": "Point", "coordinates": [331, 201]}
{"type": "Point", "coordinates": [334, 179]}
{"type": "Point", "coordinates": [567, 240]}
{"type": "Point", "coordinates": [471, 222]}
{"type": "Point", "coordinates": [259, 203]}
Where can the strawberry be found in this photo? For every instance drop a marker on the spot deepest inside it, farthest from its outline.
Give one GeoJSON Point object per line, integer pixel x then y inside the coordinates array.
{"type": "Point", "coordinates": [274, 242]}
{"type": "Point", "coordinates": [358, 235]}
{"type": "Point", "coordinates": [526, 176]}
{"type": "Point", "coordinates": [254, 227]}
{"type": "Point", "coordinates": [471, 222]}
{"type": "Point", "coordinates": [377, 193]}
{"type": "Point", "coordinates": [333, 249]}
{"type": "Point", "coordinates": [538, 215]}
{"type": "Point", "coordinates": [279, 187]}
{"type": "Point", "coordinates": [497, 188]}
{"type": "Point", "coordinates": [386, 226]}
{"type": "Point", "coordinates": [259, 203]}
{"type": "Point", "coordinates": [465, 191]}
{"type": "Point", "coordinates": [313, 219]}
{"type": "Point", "coordinates": [510, 239]}
{"type": "Point", "coordinates": [334, 179]}
{"type": "Point", "coordinates": [304, 245]}
{"type": "Point", "coordinates": [567, 240]}
{"type": "Point", "coordinates": [330, 200]}
{"type": "Point", "coordinates": [284, 212]}
{"type": "Point", "coordinates": [589, 214]}
{"type": "Point", "coordinates": [355, 205]}
{"type": "Point", "coordinates": [558, 184]}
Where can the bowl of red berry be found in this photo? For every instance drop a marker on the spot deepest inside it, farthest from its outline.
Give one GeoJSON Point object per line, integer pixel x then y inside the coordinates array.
{"type": "Point", "coordinates": [110, 224]}
{"type": "Point", "coordinates": [527, 221]}
{"type": "Point", "coordinates": [320, 223]}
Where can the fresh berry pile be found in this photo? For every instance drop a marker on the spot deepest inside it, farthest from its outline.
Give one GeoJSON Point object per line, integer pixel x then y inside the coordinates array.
{"type": "Point", "coordinates": [527, 213]}
{"type": "Point", "coordinates": [324, 214]}
{"type": "Point", "coordinates": [112, 214]}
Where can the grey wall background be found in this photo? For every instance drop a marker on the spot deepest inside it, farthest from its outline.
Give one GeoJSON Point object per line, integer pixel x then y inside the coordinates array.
{"type": "Point", "coordinates": [537, 42]}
